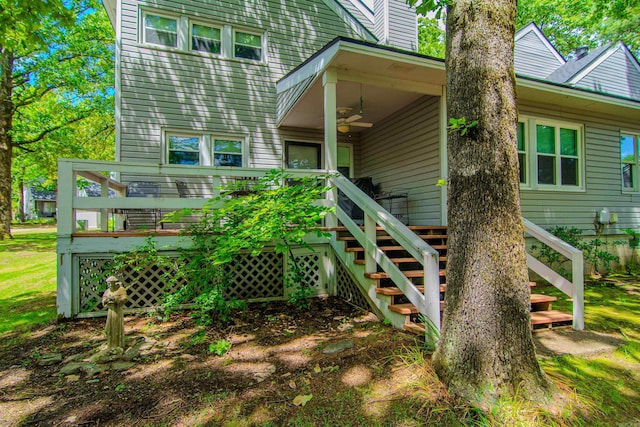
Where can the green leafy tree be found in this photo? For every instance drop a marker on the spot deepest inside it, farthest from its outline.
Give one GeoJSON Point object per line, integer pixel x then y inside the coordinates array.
{"type": "Point", "coordinates": [56, 70]}
{"type": "Point", "coordinates": [431, 37]}
{"type": "Point", "coordinates": [486, 350]}
{"type": "Point", "coordinates": [570, 24]}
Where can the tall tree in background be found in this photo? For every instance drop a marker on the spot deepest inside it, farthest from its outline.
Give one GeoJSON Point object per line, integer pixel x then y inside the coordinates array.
{"type": "Point", "coordinates": [570, 24]}
{"type": "Point", "coordinates": [56, 70]}
{"type": "Point", "coordinates": [486, 349]}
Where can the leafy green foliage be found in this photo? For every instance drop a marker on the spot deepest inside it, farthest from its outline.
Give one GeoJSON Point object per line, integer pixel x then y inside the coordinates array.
{"type": "Point", "coordinates": [461, 125]}
{"type": "Point", "coordinates": [570, 24]}
{"type": "Point", "coordinates": [592, 250]}
{"type": "Point", "coordinates": [271, 209]}
{"type": "Point", "coordinates": [431, 37]}
{"type": "Point", "coordinates": [220, 347]}
{"type": "Point", "coordinates": [423, 7]}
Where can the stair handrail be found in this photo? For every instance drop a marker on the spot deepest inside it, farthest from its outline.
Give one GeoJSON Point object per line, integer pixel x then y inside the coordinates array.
{"type": "Point", "coordinates": [428, 303]}
{"type": "Point", "coordinates": [574, 288]}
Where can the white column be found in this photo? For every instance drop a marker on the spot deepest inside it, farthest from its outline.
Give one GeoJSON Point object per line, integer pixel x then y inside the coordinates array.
{"type": "Point", "coordinates": [329, 81]}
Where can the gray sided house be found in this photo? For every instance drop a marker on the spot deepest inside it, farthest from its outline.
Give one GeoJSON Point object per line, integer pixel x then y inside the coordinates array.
{"type": "Point", "coordinates": [208, 91]}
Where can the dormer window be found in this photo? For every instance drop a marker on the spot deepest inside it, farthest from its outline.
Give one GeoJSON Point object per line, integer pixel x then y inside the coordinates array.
{"type": "Point", "coordinates": [205, 38]}
{"type": "Point", "coordinates": [160, 30]}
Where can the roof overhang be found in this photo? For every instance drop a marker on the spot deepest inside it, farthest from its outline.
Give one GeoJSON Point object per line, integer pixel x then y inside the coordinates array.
{"type": "Point", "coordinates": [386, 78]}
{"type": "Point", "coordinates": [110, 6]}
{"type": "Point", "coordinates": [561, 95]}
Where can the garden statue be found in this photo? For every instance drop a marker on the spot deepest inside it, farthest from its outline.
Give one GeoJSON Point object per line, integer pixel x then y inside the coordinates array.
{"type": "Point", "coordinates": [114, 299]}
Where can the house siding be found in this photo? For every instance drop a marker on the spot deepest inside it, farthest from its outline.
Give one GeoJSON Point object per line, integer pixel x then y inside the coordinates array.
{"type": "Point", "coordinates": [603, 187]}
{"type": "Point", "coordinates": [164, 89]}
{"type": "Point", "coordinates": [617, 75]}
{"type": "Point", "coordinates": [402, 155]}
{"type": "Point", "coordinates": [403, 25]}
{"type": "Point", "coordinates": [533, 58]}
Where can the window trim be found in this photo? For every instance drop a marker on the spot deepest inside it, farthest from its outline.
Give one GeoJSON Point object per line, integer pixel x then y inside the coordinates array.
{"type": "Point", "coordinates": [235, 31]}
{"type": "Point", "coordinates": [142, 28]}
{"type": "Point", "coordinates": [184, 35]}
{"type": "Point", "coordinates": [193, 22]}
{"type": "Point", "coordinates": [636, 163]}
{"type": "Point", "coordinates": [304, 142]}
{"type": "Point", "coordinates": [531, 124]}
{"type": "Point", "coordinates": [206, 146]}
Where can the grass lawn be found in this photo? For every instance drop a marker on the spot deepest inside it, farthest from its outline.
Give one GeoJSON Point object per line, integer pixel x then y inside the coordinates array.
{"type": "Point", "coordinates": [27, 278]}
{"type": "Point", "coordinates": [596, 390]}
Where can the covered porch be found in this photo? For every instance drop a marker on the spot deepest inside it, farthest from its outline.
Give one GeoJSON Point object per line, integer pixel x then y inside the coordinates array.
{"type": "Point", "coordinates": [383, 115]}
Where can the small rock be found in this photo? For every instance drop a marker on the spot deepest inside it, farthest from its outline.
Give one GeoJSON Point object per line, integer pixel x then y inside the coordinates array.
{"type": "Point", "coordinates": [71, 368]}
{"type": "Point", "coordinates": [75, 358]}
{"type": "Point", "coordinates": [91, 369]}
{"type": "Point", "coordinates": [338, 347]}
{"type": "Point", "coordinates": [122, 366]}
{"type": "Point", "coordinates": [147, 345]}
{"type": "Point", "coordinates": [49, 359]}
{"type": "Point", "coordinates": [367, 318]}
{"type": "Point", "coordinates": [73, 378]}
{"type": "Point", "coordinates": [92, 381]}
{"type": "Point", "coordinates": [131, 353]}
{"type": "Point", "coordinates": [107, 356]}
{"type": "Point", "coordinates": [345, 327]}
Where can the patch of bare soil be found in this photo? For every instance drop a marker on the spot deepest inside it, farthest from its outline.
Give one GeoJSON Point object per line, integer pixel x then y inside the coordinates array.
{"type": "Point", "coordinates": [278, 371]}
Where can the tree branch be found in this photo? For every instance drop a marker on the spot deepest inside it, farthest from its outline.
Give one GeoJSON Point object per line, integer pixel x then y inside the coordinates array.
{"type": "Point", "coordinates": [34, 97]}
{"type": "Point", "coordinates": [44, 133]}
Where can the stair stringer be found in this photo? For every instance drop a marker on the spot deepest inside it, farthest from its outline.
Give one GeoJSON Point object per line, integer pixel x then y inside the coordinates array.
{"type": "Point", "coordinates": [379, 303]}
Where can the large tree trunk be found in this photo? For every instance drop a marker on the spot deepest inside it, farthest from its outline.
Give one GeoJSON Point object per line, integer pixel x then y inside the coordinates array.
{"type": "Point", "coordinates": [6, 143]}
{"type": "Point", "coordinates": [486, 348]}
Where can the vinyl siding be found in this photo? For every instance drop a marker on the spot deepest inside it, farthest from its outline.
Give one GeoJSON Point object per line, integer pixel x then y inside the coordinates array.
{"type": "Point", "coordinates": [617, 75]}
{"type": "Point", "coordinates": [603, 187]}
{"type": "Point", "coordinates": [163, 89]}
{"type": "Point", "coordinates": [533, 58]}
{"type": "Point", "coordinates": [401, 154]}
{"type": "Point", "coordinates": [355, 11]}
{"type": "Point", "coordinates": [403, 26]}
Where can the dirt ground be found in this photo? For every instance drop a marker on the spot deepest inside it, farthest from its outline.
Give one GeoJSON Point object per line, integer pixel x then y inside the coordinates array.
{"type": "Point", "coordinates": [279, 371]}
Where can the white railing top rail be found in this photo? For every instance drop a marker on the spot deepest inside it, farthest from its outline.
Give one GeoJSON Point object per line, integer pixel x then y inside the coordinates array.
{"type": "Point", "coordinates": [573, 288]}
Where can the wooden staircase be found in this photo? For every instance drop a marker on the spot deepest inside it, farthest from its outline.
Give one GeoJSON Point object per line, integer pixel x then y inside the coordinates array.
{"type": "Point", "coordinates": [542, 315]}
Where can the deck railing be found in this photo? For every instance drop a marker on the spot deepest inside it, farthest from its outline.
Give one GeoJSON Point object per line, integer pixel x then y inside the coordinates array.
{"type": "Point", "coordinates": [427, 302]}
{"type": "Point", "coordinates": [574, 288]}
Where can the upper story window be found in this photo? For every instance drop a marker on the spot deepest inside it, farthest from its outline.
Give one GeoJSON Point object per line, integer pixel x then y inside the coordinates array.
{"type": "Point", "coordinates": [160, 30]}
{"type": "Point", "coordinates": [205, 149]}
{"type": "Point", "coordinates": [187, 34]}
{"type": "Point", "coordinates": [247, 46]}
{"type": "Point", "coordinates": [556, 160]}
{"type": "Point", "coordinates": [629, 161]}
{"type": "Point", "coordinates": [205, 38]}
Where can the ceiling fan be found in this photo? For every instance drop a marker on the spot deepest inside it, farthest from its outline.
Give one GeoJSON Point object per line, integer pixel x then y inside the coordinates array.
{"type": "Point", "coordinates": [344, 123]}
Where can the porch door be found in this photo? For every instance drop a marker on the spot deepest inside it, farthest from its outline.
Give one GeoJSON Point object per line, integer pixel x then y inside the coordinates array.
{"type": "Point", "coordinates": [303, 155]}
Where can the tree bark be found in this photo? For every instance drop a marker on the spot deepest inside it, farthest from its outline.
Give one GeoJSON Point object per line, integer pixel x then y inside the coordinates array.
{"type": "Point", "coordinates": [486, 349]}
{"type": "Point", "coordinates": [6, 142]}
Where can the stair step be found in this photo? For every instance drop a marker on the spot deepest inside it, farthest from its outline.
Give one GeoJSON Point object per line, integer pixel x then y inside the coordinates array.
{"type": "Point", "coordinates": [387, 237]}
{"type": "Point", "coordinates": [416, 328]}
{"type": "Point", "coordinates": [539, 298]}
{"type": "Point", "coordinates": [395, 291]}
{"type": "Point", "coordinates": [409, 273]}
{"type": "Point", "coordinates": [400, 260]}
{"type": "Point", "coordinates": [390, 248]}
{"type": "Point", "coordinates": [408, 308]}
{"type": "Point", "coordinates": [549, 317]}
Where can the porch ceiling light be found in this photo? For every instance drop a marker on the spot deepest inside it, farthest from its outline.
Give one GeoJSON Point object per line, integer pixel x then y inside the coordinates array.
{"type": "Point", "coordinates": [343, 127]}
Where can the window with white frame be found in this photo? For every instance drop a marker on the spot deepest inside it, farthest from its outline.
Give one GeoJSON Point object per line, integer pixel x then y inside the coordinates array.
{"type": "Point", "coordinates": [629, 161]}
{"type": "Point", "coordinates": [206, 38]}
{"type": "Point", "coordinates": [183, 149]}
{"type": "Point", "coordinates": [523, 159]}
{"type": "Point", "coordinates": [556, 159]}
{"type": "Point", "coordinates": [227, 152]}
{"type": "Point", "coordinates": [160, 30]}
{"type": "Point", "coordinates": [247, 46]}
{"type": "Point", "coordinates": [205, 150]}
{"type": "Point", "coordinates": [184, 33]}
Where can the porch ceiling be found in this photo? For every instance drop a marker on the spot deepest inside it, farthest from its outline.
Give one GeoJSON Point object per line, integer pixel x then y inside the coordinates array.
{"type": "Point", "coordinates": [387, 80]}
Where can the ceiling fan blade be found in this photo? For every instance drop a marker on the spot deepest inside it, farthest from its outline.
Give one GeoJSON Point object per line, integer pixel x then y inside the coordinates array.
{"type": "Point", "coordinates": [361, 124]}
{"type": "Point", "coordinates": [353, 118]}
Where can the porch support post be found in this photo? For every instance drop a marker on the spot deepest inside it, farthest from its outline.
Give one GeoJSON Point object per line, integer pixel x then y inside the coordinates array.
{"type": "Point", "coordinates": [104, 213]}
{"type": "Point", "coordinates": [329, 82]}
{"type": "Point", "coordinates": [370, 265]}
